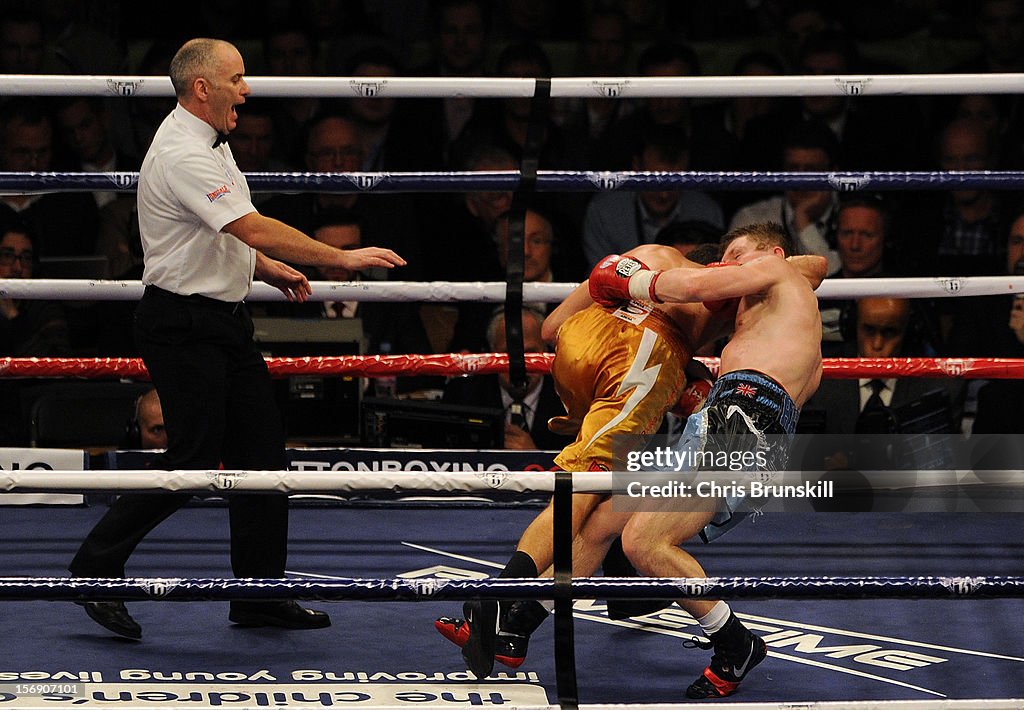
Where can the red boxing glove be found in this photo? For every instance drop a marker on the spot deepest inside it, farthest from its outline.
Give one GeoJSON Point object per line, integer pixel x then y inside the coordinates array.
{"type": "Point", "coordinates": [726, 307]}
{"type": "Point", "coordinates": [620, 278]}
{"type": "Point", "coordinates": [692, 398]}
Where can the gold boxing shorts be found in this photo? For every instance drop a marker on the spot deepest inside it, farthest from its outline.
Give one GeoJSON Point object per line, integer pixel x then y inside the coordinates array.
{"type": "Point", "coordinates": [617, 372]}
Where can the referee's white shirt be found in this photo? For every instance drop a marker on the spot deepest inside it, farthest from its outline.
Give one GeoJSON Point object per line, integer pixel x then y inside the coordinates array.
{"type": "Point", "coordinates": [187, 192]}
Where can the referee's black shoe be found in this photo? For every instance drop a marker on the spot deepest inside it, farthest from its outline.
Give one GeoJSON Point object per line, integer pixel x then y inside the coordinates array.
{"type": "Point", "coordinates": [283, 615]}
{"type": "Point", "coordinates": [114, 616]}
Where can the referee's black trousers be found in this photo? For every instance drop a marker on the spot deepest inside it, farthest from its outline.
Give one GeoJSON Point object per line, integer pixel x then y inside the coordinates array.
{"type": "Point", "coordinates": [219, 408]}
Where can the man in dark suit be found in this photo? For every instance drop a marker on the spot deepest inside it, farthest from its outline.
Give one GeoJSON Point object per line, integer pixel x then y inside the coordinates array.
{"type": "Point", "coordinates": [855, 412]}
{"type": "Point", "coordinates": [883, 329]}
{"type": "Point", "coordinates": [526, 420]}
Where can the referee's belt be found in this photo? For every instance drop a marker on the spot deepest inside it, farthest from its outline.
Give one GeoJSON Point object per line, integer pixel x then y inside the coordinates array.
{"type": "Point", "coordinates": [195, 299]}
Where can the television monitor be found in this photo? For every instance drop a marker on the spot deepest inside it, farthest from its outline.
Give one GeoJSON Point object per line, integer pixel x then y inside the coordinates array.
{"type": "Point", "coordinates": [931, 413]}
{"type": "Point", "coordinates": [316, 409]}
{"type": "Point", "coordinates": [430, 425]}
{"type": "Point", "coordinates": [926, 425]}
{"type": "Point", "coordinates": [74, 267]}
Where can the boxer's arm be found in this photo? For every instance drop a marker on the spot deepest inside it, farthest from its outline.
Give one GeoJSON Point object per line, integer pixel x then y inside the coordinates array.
{"type": "Point", "coordinates": [719, 284]}
{"type": "Point", "coordinates": [813, 268]}
{"type": "Point", "coordinates": [573, 303]}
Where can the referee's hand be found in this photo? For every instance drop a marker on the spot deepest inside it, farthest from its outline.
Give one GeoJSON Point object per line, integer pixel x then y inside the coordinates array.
{"type": "Point", "coordinates": [292, 283]}
{"type": "Point", "coordinates": [368, 257]}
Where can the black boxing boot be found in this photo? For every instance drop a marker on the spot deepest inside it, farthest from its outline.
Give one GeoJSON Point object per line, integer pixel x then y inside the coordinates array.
{"type": "Point", "coordinates": [514, 630]}
{"type": "Point", "coordinates": [737, 651]}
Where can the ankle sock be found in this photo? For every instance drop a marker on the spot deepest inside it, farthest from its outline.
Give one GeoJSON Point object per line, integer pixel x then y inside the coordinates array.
{"type": "Point", "coordinates": [716, 619]}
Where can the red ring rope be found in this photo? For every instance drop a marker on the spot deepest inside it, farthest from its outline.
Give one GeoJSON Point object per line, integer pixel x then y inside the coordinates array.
{"type": "Point", "coordinates": [488, 363]}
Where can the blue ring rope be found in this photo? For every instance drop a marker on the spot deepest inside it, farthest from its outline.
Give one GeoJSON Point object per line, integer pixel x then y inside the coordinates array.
{"type": "Point", "coordinates": [432, 589]}
{"type": "Point", "coordinates": [547, 181]}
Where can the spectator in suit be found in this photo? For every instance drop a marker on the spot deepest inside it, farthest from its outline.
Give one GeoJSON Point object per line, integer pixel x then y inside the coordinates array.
{"type": "Point", "coordinates": [872, 132]}
{"type": "Point", "coordinates": [540, 402]}
{"type": "Point", "coordinates": [85, 131]}
{"type": "Point", "coordinates": [856, 412]}
{"type": "Point", "coordinates": [864, 240]}
{"type": "Point", "coordinates": [604, 48]}
{"type": "Point", "coordinates": [460, 226]}
{"type": "Point", "coordinates": [617, 221]}
{"type": "Point", "coordinates": [808, 216]}
{"type": "Point", "coordinates": [725, 132]}
{"type": "Point", "coordinates": [389, 128]}
{"type": "Point", "coordinates": [458, 38]}
{"type": "Point", "coordinates": [64, 223]}
{"type": "Point", "coordinates": [884, 330]}
{"type": "Point", "coordinates": [291, 49]}
{"type": "Point", "coordinates": [504, 122]}
{"type": "Point", "coordinates": [618, 146]}
{"type": "Point", "coordinates": [961, 231]}
{"type": "Point", "coordinates": [340, 229]}
{"type": "Point", "coordinates": [386, 220]}
{"type": "Point", "coordinates": [993, 326]}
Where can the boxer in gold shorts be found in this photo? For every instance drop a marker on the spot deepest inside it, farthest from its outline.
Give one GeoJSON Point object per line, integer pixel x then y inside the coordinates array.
{"type": "Point", "coordinates": [618, 371]}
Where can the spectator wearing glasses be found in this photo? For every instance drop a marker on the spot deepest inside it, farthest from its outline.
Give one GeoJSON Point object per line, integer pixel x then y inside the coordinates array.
{"type": "Point", "coordinates": [28, 327]}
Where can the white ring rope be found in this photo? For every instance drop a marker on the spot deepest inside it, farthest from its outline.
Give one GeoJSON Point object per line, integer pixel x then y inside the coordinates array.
{"type": "Point", "coordinates": [494, 291]}
{"type": "Point", "coordinates": [561, 87]}
{"type": "Point", "coordinates": [500, 479]}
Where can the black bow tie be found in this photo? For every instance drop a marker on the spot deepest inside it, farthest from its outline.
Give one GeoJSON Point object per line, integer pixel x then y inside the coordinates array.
{"type": "Point", "coordinates": [221, 138]}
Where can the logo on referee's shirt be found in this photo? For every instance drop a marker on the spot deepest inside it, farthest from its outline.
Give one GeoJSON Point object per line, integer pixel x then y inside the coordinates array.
{"type": "Point", "coordinates": [218, 193]}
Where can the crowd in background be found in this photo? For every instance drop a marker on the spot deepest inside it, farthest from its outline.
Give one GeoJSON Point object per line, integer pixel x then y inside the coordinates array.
{"type": "Point", "coordinates": [461, 237]}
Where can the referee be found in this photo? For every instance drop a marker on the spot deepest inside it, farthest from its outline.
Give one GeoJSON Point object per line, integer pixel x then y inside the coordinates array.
{"type": "Point", "coordinates": [203, 244]}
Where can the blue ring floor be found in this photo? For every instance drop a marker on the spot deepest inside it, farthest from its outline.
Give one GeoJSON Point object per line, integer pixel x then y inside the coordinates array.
{"type": "Point", "coordinates": [387, 653]}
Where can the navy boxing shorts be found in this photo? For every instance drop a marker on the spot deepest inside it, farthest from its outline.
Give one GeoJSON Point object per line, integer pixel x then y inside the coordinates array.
{"type": "Point", "coordinates": [746, 411]}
